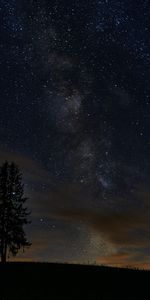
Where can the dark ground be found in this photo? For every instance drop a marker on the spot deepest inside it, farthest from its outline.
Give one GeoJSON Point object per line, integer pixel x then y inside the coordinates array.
{"type": "Point", "coordinates": [60, 281]}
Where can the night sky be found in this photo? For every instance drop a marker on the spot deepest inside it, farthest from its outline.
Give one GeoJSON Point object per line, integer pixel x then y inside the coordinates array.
{"type": "Point", "coordinates": [75, 117]}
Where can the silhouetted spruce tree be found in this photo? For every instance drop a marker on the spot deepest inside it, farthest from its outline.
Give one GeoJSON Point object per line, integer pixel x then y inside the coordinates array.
{"type": "Point", "coordinates": [13, 214]}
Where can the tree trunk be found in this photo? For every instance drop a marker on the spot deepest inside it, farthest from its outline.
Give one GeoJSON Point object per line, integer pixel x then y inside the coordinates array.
{"type": "Point", "coordinates": [3, 254]}
{"type": "Point", "coordinates": [3, 257]}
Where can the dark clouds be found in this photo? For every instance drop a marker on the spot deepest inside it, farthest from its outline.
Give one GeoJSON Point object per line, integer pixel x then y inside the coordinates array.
{"type": "Point", "coordinates": [67, 221]}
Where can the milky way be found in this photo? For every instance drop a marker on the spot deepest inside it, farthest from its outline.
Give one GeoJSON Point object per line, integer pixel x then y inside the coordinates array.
{"type": "Point", "coordinates": [75, 115]}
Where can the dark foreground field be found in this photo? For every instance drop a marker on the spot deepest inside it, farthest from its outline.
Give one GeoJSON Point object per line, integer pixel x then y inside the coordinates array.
{"type": "Point", "coordinates": [60, 281]}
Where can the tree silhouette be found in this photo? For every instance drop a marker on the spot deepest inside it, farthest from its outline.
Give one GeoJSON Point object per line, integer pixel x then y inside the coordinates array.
{"type": "Point", "coordinates": [13, 214]}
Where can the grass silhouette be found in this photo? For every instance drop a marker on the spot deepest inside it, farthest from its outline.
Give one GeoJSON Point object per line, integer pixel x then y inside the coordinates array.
{"type": "Point", "coordinates": [66, 281]}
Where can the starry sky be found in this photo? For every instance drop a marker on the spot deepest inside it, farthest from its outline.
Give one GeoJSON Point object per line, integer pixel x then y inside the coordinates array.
{"type": "Point", "coordinates": [75, 117]}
